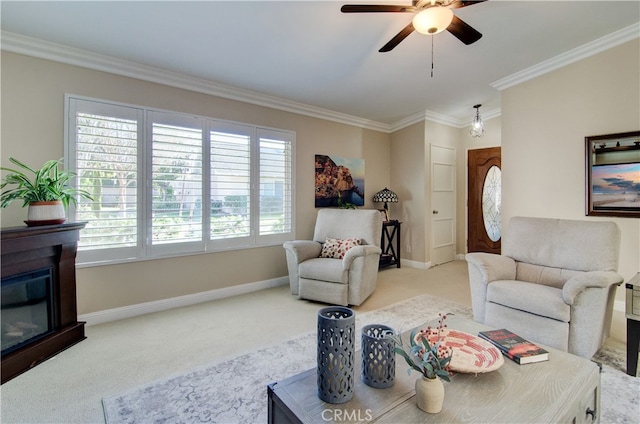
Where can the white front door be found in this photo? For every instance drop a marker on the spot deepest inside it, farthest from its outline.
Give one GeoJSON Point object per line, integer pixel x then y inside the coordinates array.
{"type": "Point", "coordinates": [443, 204]}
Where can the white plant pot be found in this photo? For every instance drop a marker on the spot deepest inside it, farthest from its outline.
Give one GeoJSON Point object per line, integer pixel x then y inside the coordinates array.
{"type": "Point", "coordinates": [45, 213]}
{"type": "Point", "coordinates": [429, 394]}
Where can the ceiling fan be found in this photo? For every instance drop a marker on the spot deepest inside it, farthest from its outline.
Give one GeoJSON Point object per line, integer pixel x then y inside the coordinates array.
{"type": "Point", "coordinates": [430, 17]}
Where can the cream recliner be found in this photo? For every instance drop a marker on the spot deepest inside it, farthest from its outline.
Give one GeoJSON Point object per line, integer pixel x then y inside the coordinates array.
{"type": "Point", "coordinates": [346, 281]}
{"type": "Point", "coordinates": [554, 283]}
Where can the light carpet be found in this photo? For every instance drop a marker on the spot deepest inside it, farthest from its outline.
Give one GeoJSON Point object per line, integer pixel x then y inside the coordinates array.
{"type": "Point", "coordinates": [235, 390]}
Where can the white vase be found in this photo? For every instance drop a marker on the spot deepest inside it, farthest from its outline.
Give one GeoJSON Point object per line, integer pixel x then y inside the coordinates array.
{"type": "Point", "coordinates": [429, 394]}
{"type": "Point", "coordinates": [45, 213]}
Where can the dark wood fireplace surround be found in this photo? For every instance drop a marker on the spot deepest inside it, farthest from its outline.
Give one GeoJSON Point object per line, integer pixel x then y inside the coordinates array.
{"type": "Point", "coordinates": [26, 249]}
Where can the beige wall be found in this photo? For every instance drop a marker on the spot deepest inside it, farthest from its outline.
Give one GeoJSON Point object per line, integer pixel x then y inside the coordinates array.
{"type": "Point", "coordinates": [408, 181]}
{"type": "Point", "coordinates": [32, 130]}
{"type": "Point", "coordinates": [544, 123]}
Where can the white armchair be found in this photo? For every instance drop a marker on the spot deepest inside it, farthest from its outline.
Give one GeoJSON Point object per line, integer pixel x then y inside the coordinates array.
{"type": "Point", "coordinates": [341, 281]}
{"type": "Point", "coordinates": [554, 283]}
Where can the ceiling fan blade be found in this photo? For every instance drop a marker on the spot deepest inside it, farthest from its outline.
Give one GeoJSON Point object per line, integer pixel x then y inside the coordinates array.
{"type": "Point", "coordinates": [463, 31]}
{"type": "Point", "coordinates": [398, 38]}
{"type": "Point", "coordinates": [463, 3]}
{"type": "Point", "coordinates": [375, 8]}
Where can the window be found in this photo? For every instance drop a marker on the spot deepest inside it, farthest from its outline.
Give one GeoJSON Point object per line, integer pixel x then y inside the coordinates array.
{"type": "Point", "coordinates": [176, 175]}
{"type": "Point", "coordinates": [166, 184]}
{"type": "Point", "coordinates": [275, 176]}
{"type": "Point", "coordinates": [230, 158]}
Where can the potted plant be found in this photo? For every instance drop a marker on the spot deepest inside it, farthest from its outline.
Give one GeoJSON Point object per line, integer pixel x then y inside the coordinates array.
{"type": "Point", "coordinates": [47, 192]}
{"type": "Point", "coordinates": [431, 360]}
{"type": "Point", "coordinates": [345, 205]}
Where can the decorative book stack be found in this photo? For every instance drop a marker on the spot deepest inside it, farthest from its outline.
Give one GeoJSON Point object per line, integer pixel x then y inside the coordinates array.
{"type": "Point", "coordinates": [514, 347]}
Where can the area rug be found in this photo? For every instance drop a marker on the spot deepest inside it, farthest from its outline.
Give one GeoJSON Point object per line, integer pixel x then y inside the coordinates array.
{"type": "Point", "coordinates": [229, 391]}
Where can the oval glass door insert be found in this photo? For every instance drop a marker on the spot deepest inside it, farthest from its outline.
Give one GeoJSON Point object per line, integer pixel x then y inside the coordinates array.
{"type": "Point", "coordinates": [492, 203]}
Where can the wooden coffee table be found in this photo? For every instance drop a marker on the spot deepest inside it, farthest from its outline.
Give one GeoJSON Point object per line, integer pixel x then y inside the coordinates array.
{"type": "Point", "coordinates": [564, 389]}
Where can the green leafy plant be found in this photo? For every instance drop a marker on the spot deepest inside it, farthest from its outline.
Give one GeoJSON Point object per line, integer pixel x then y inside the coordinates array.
{"type": "Point", "coordinates": [49, 183]}
{"type": "Point", "coordinates": [430, 360]}
{"type": "Point", "coordinates": [345, 205]}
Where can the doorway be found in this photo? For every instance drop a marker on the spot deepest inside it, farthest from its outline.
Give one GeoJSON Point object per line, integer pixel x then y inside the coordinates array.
{"type": "Point", "coordinates": [484, 223]}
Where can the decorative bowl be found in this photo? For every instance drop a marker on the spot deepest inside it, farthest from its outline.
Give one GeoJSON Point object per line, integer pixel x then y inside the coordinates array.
{"type": "Point", "coordinates": [470, 354]}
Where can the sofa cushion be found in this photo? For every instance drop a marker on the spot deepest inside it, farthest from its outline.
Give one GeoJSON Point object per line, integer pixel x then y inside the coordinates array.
{"type": "Point", "coordinates": [324, 269]}
{"type": "Point", "coordinates": [337, 248]}
{"type": "Point", "coordinates": [534, 298]}
{"type": "Point", "coordinates": [554, 277]}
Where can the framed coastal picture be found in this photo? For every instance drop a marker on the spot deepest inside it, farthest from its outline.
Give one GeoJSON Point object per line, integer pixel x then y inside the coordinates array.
{"type": "Point", "coordinates": [339, 181]}
{"type": "Point", "coordinates": [613, 175]}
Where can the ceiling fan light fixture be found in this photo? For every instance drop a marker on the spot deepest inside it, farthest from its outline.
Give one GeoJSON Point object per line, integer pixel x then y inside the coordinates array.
{"type": "Point", "coordinates": [433, 20]}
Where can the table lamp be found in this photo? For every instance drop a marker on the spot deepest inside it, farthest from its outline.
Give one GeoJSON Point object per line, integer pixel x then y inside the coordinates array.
{"type": "Point", "coordinates": [386, 196]}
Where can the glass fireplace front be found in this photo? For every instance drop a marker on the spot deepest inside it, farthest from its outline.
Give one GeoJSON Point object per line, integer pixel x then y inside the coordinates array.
{"type": "Point", "coordinates": [26, 308]}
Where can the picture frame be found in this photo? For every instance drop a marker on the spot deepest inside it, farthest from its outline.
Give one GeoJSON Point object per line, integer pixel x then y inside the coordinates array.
{"type": "Point", "coordinates": [339, 182]}
{"type": "Point", "coordinates": [385, 215]}
{"type": "Point", "coordinates": [613, 175]}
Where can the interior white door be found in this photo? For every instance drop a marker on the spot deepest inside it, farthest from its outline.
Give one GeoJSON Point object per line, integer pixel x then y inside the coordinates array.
{"type": "Point", "coordinates": [443, 204]}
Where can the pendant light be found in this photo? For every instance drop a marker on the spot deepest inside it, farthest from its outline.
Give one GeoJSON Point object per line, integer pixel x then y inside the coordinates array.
{"type": "Point", "coordinates": [477, 126]}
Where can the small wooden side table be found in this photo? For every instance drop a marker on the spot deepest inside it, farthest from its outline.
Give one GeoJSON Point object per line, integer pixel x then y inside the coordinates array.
{"type": "Point", "coordinates": [390, 253]}
{"type": "Point", "coordinates": [633, 323]}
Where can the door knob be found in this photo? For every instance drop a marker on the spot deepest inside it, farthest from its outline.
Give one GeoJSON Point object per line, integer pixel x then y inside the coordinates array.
{"type": "Point", "coordinates": [435, 212]}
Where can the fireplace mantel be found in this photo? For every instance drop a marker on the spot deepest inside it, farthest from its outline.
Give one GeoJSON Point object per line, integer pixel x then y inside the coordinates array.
{"type": "Point", "coordinates": [27, 249]}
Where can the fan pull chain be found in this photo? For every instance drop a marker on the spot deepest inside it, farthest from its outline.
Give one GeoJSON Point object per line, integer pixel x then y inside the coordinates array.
{"type": "Point", "coordinates": [432, 56]}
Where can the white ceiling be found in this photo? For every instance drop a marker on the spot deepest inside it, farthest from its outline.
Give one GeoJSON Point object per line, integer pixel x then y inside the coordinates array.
{"type": "Point", "coordinates": [311, 53]}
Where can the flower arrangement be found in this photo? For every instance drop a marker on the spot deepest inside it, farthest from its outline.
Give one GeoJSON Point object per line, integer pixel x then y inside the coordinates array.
{"type": "Point", "coordinates": [429, 359]}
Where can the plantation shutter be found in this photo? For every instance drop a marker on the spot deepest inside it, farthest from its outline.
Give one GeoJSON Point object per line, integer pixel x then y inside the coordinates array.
{"type": "Point", "coordinates": [176, 179]}
{"type": "Point", "coordinates": [276, 191]}
{"type": "Point", "coordinates": [106, 162]}
{"type": "Point", "coordinates": [230, 180]}
{"type": "Point", "coordinates": [167, 184]}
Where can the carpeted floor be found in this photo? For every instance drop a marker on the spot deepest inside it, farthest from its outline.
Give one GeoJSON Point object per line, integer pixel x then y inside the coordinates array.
{"type": "Point", "coordinates": [234, 390]}
{"type": "Point", "coordinates": [120, 355]}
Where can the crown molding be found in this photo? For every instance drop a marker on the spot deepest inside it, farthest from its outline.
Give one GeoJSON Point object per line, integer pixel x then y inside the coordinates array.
{"type": "Point", "coordinates": [442, 119]}
{"type": "Point", "coordinates": [425, 115]}
{"type": "Point", "coordinates": [439, 118]}
{"type": "Point", "coordinates": [42, 49]}
{"type": "Point", "coordinates": [599, 45]}
{"type": "Point", "coordinates": [407, 122]}
{"type": "Point", "coordinates": [59, 53]}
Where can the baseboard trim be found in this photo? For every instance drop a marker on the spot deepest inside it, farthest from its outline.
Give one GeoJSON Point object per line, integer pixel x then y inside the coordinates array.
{"type": "Point", "coordinates": [115, 314]}
{"type": "Point", "coordinates": [415, 264]}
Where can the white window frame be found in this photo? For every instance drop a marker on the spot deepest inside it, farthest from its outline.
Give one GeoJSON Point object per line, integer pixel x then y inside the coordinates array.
{"type": "Point", "coordinates": [145, 249]}
{"type": "Point", "coordinates": [179, 120]}
{"type": "Point", "coordinates": [248, 131]}
{"type": "Point", "coordinates": [98, 107]}
{"type": "Point", "coordinates": [267, 133]}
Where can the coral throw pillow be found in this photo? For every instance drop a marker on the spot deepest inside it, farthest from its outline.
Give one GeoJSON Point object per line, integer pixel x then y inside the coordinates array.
{"type": "Point", "coordinates": [337, 248]}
